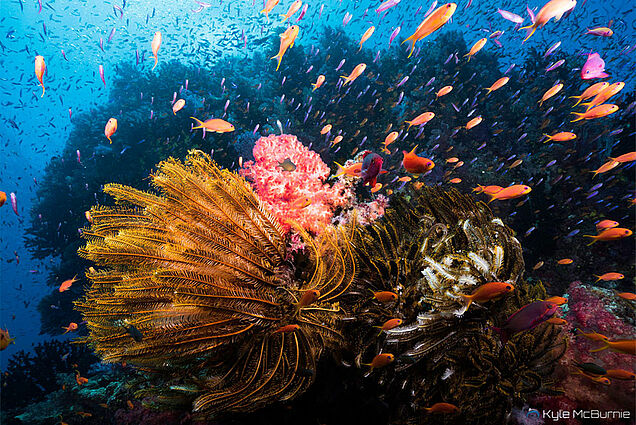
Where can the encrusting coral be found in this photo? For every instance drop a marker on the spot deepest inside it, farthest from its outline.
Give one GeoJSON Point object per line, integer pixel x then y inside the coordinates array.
{"type": "Point", "coordinates": [198, 286]}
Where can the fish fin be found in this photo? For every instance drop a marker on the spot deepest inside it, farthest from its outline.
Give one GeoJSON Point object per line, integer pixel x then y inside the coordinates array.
{"type": "Point", "coordinates": [532, 28]}
{"type": "Point", "coordinates": [284, 16]}
{"type": "Point", "coordinates": [199, 122]}
{"type": "Point", "coordinates": [548, 136]}
{"type": "Point", "coordinates": [580, 116]}
{"type": "Point", "coordinates": [111, 142]}
{"type": "Point", "coordinates": [604, 347]}
{"type": "Point", "coordinates": [412, 39]}
{"type": "Point", "coordinates": [279, 57]}
{"type": "Point", "coordinates": [586, 104]}
{"type": "Point", "coordinates": [488, 90]}
{"type": "Point", "coordinates": [593, 237]}
{"type": "Point", "coordinates": [341, 170]}
{"type": "Point", "coordinates": [410, 124]}
{"type": "Point", "coordinates": [467, 298]}
{"type": "Point", "coordinates": [492, 198]}
{"type": "Point", "coordinates": [156, 59]}
{"type": "Point", "coordinates": [413, 150]}
{"type": "Point", "coordinates": [43, 90]}
{"type": "Point", "coordinates": [346, 78]}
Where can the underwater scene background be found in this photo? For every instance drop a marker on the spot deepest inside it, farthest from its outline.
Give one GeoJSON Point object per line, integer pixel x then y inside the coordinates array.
{"type": "Point", "coordinates": [320, 212]}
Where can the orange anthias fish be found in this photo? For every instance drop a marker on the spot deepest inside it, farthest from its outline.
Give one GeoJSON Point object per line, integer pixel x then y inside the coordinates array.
{"type": "Point", "coordinates": [443, 91]}
{"type": "Point", "coordinates": [3, 198]}
{"type": "Point", "coordinates": [565, 261]}
{"type": "Point", "coordinates": [385, 296]}
{"type": "Point", "coordinates": [381, 360]}
{"type": "Point", "coordinates": [287, 328]}
{"type": "Point", "coordinates": [610, 235]}
{"type": "Point", "coordinates": [319, 81]}
{"type": "Point", "coordinates": [390, 138]}
{"type": "Point", "coordinates": [591, 91]}
{"type": "Point", "coordinates": [630, 296]}
{"type": "Point", "coordinates": [476, 47]}
{"type": "Point", "coordinates": [442, 408]}
{"type": "Point", "coordinates": [300, 203]}
{"type": "Point", "coordinates": [609, 165]}
{"type": "Point", "coordinates": [432, 23]}
{"type": "Point", "coordinates": [415, 164]}
{"type": "Point", "coordinates": [487, 292]}
{"type": "Point", "coordinates": [326, 129]}
{"type": "Point", "coordinates": [420, 119]}
{"type": "Point", "coordinates": [156, 43]}
{"type": "Point", "coordinates": [605, 94]}
{"type": "Point", "coordinates": [70, 328]}
{"type": "Point", "coordinates": [553, 9]}
{"type": "Point", "coordinates": [110, 129]}
{"type": "Point", "coordinates": [562, 136]}
{"type": "Point", "coordinates": [5, 339]}
{"type": "Point", "coordinates": [593, 336]}
{"type": "Point", "coordinates": [309, 297]}
{"type": "Point", "coordinates": [178, 105]}
{"type": "Point", "coordinates": [295, 7]}
{"type": "Point", "coordinates": [268, 7]}
{"type": "Point", "coordinates": [551, 92]}
{"type": "Point", "coordinates": [497, 84]}
{"type": "Point", "coordinates": [557, 321]}
{"type": "Point", "coordinates": [621, 374]}
{"type": "Point", "coordinates": [488, 190]}
{"type": "Point", "coordinates": [80, 379]}
{"type": "Point", "coordinates": [625, 346]}
{"type": "Point", "coordinates": [510, 192]}
{"type": "Point", "coordinates": [390, 324]}
{"type": "Point", "coordinates": [216, 125]}
{"type": "Point", "coordinates": [474, 122]}
{"type": "Point", "coordinates": [597, 112]}
{"type": "Point", "coordinates": [357, 71]}
{"type": "Point", "coordinates": [557, 300]}
{"type": "Point", "coordinates": [610, 276]}
{"type": "Point", "coordinates": [65, 286]}
{"type": "Point", "coordinates": [287, 40]}
{"type": "Point", "coordinates": [368, 33]}
{"type": "Point", "coordinates": [626, 157]}
{"type": "Point", "coordinates": [606, 224]}
{"type": "Point", "coordinates": [40, 68]}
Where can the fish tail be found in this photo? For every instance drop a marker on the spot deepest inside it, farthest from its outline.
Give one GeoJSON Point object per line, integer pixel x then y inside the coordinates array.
{"type": "Point", "coordinates": [593, 237]}
{"type": "Point", "coordinates": [598, 278]}
{"type": "Point", "coordinates": [315, 86]}
{"type": "Point", "coordinates": [580, 116]}
{"type": "Point", "coordinates": [341, 170]}
{"type": "Point", "coordinates": [488, 89]}
{"type": "Point", "coordinates": [108, 137]}
{"type": "Point", "coordinates": [42, 89]}
{"type": "Point", "coordinates": [279, 58]}
{"type": "Point", "coordinates": [346, 78]}
{"type": "Point", "coordinates": [548, 136]}
{"type": "Point", "coordinates": [578, 101]}
{"type": "Point", "coordinates": [467, 298]}
{"type": "Point", "coordinates": [604, 347]}
{"type": "Point", "coordinates": [156, 59]}
{"type": "Point", "coordinates": [285, 17]}
{"type": "Point", "coordinates": [478, 189]}
{"type": "Point", "coordinates": [586, 104]}
{"type": "Point", "coordinates": [199, 122]}
{"type": "Point", "coordinates": [410, 123]}
{"type": "Point", "coordinates": [492, 198]}
{"type": "Point", "coordinates": [532, 28]}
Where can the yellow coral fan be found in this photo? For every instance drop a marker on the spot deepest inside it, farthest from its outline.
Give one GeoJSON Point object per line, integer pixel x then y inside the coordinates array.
{"type": "Point", "coordinates": [202, 271]}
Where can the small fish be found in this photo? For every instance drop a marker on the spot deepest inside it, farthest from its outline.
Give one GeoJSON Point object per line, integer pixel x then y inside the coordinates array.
{"type": "Point", "coordinates": [625, 346]}
{"type": "Point", "coordinates": [442, 408]}
{"type": "Point", "coordinates": [287, 165]}
{"type": "Point", "coordinates": [216, 125]}
{"type": "Point", "coordinates": [385, 296]}
{"type": "Point", "coordinates": [66, 285]}
{"type": "Point", "coordinates": [610, 235]}
{"type": "Point", "coordinates": [381, 360]}
{"type": "Point", "coordinates": [594, 67]}
{"type": "Point", "coordinates": [487, 292]}
{"type": "Point", "coordinates": [5, 339]}
{"type": "Point", "coordinates": [110, 129]}
{"type": "Point", "coordinates": [606, 277]}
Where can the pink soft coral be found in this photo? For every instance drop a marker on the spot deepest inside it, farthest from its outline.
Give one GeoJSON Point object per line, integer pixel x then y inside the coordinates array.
{"type": "Point", "coordinates": [286, 192]}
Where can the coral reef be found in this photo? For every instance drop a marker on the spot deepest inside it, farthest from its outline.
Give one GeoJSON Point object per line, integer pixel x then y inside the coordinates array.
{"type": "Point", "coordinates": [298, 194]}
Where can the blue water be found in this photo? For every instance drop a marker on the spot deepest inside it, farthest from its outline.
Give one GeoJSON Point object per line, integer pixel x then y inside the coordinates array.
{"type": "Point", "coordinates": [35, 129]}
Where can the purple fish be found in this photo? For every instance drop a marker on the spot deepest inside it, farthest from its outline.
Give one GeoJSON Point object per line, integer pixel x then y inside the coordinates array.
{"type": "Point", "coordinates": [555, 65]}
{"type": "Point", "coordinates": [551, 49]}
{"type": "Point", "coordinates": [430, 9]}
{"type": "Point", "coordinates": [101, 74]}
{"type": "Point", "coordinates": [512, 17]}
{"type": "Point", "coordinates": [594, 67]}
{"type": "Point", "coordinates": [393, 35]}
{"type": "Point", "coordinates": [346, 19]}
{"type": "Point", "coordinates": [387, 5]}
{"type": "Point", "coordinates": [112, 33]}
{"type": "Point", "coordinates": [302, 12]}
{"type": "Point", "coordinates": [526, 318]}
{"type": "Point", "coordinates": [340, 65]}
{"type": "Point", "coordinates": [530, 13]}
{"type": "Point", "coordinates": [14, 203]}
{"type": "Point", "coordinates": [404, 80]}
{"type": "Point", "coordinates": [371, 167]}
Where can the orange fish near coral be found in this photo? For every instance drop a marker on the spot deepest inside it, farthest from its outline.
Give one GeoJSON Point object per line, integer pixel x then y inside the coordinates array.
{"type": "Point", "coordinates": [390, 324]}
{"type": "Point", "coordinates": [287, 40]}
{"type": "Point", "coordinates": [178, 105]}
{"type": "Point", "coordinates": [354, 170]}
{"type": "Point", "coordinates": [390, 138]}
{"type": "Point", "coordinates": [442, 408]}
{"type": "Point", "coordinates": [80, 379]}
{"type": "Point", "coordinates": [443, 91]}
{"type": "Point", "coordinates": [40, 68]}
{"type": "Point", "coordinates": [557, 321]}
{"type": "Point", "coordinates": [420, 119]}
{"type": "Point", "coordinates": [70, 328]}
{"type": "Point", "coordinates": [357, 71]}
{"type": "Point", "coordinates": [606, 224]}
{"type": "Point", "coordinates": [156, 43]}
{"type": "Point", "coordinates": [368, 33]}
{"type": "Point", "coordinates": [319, 82]}
{"type": "Point", "coordinates": [630, 296]}
{"type": "Point", "coordinates": [268, 7]}
{"type": "Point", "coordinates": [553, 9]}
{"type": "Point", "coordinates": [597, 112]}
{"type": "Point", "coordinates": [432, 23]}
{"type": "Point", "coordinates": [609, 165]}
{"type": "Point", "coordinates": [65, 286]}
{"type": "Point", "coordinates": [476, 47]}
{"type": "Point", "coordinates": [557, 300]}
{"type": "Point", "coordinates": [381, 360]}
{"type": "Point", "coordinates": [295, 7]}
{"type": "Point", "coordinates": [309, 297]}
{"type": "Point", "coordinates": [563, 136]}
{"type": "Point", "coordinates": [591, 91]}
{"type": "Point", "coordinates": [510, 192]}
{"type": "Point", "coordinates": [610, 235]}
{"type": "Point", "coordinates": [216, 125]}
{"type": "Point", "coordinates": [287, 328]}
{"type": "Point", "coordinates": [110, 129]}
{"type": "Point", "coordinates": [621, 374]}
{"type": "Point", "coordinates": [415, 164]}
{"type": "Point", "coordinates": [610, 276]}
{"type": "Point", "coordinates": [497, 84]}
{"type": "Point", "coordinates": [550, 92]}
{"type": "Point", "coordinates": [593, 336]}
{"type": "Point", "coordinates": [474, 122]}
{"type": "Point", "coordinates": [625, 346]}
{"type": "Point", "coordinates": [385, 296]}
{"type": "Point", "coordinates": [5, 339]}
{"type": "Point", "coordinates": [605, 94]}
{"type": "Point", "coordinates": [326, 129]}
{"type": "Point", "coordinates": [488, 190]}
{"type": "Point", "coordinates": [487, 292]}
